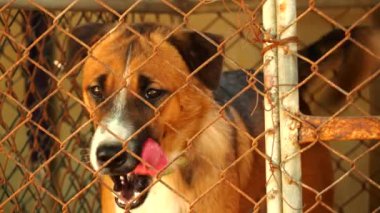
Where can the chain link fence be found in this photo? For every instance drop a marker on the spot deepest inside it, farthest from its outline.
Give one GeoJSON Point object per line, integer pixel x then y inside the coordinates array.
{"type": "Point", "coordinates": [46, 130]}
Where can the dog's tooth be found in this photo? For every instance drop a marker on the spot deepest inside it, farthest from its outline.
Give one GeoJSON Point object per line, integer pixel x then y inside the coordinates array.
{"type": "Point", "coordinates": [135, 194]}
{"type": "Point", "coordinates": [122, 179]}
{"type": "Point", "coordinates": [121, 201]}
{"type": "Point", "coordinates": [117, 194]}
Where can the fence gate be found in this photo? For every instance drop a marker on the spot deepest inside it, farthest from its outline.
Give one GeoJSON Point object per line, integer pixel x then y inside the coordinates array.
{"type": "Point", "coordinates": [314, 63]}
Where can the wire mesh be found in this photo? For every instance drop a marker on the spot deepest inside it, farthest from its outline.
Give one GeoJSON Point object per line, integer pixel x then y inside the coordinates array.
{"type": "Point", "coordinates": [46, 130]}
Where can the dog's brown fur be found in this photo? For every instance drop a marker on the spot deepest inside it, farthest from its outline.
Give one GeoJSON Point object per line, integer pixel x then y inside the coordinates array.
{"type": "Point", "coordinates": [350, 64]}
{"type": "Point", "coordinates": [191, 110]}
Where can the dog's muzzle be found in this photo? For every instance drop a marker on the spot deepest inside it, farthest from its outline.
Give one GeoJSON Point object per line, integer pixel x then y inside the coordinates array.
{"type": "Point", "coordinates": [131, 178]}
{"type": "Point", "coordinates": [106, 152]}
{"type": "Point", "coordinates": [113, 160]}
{"type": "Point", "coordinates": [128, 187]}
{"type": "Point", "coordinates": [128, 190]}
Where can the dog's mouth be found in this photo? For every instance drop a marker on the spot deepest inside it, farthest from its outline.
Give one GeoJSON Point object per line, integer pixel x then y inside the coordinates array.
{"type": "Point", "coordinates": [129, 188]}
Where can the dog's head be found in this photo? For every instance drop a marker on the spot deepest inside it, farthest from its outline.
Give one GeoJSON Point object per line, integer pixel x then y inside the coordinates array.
{"type": "Point", "coordinates": [137, 88]}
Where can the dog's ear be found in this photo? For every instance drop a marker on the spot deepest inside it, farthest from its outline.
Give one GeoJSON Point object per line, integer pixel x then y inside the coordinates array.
{"type": "Point", "coordinates": [195, 50]}
{"type": "Point", "coordinates": [89, 34]}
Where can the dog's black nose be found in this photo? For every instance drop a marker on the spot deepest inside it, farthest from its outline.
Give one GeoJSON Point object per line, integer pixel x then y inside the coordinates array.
{"type": "Point", "coordinates": [106, 152]}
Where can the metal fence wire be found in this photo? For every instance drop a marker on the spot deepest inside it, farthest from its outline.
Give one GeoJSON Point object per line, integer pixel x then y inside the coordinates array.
{"type": "Point", "coordinates": [316, 65]}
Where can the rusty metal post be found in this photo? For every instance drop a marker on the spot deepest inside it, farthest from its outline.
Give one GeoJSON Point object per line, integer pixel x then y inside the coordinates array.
{"type": "Point", "coordinates": [289, 105]}
{"type": "Point", "coordinates": [272, 123]}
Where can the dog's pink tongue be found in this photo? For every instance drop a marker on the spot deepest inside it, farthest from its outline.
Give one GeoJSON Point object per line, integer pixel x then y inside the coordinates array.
{"type": "Point", "coordinates": [154, 156]}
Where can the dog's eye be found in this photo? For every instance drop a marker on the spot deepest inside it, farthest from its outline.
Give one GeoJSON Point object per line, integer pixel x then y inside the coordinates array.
{"type": "Point", "coordinates": [96, 92]}
{"type": "Point", "coordinates": [151, 93]}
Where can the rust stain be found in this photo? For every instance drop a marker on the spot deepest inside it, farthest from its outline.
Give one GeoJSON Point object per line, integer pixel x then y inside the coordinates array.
{"type": "Point", "coordinates": [283, 7]}
{"type": "Point", "coordinates": [290, 180]}
{"type": "Point", "coordinates": [269, 80]}
{"type": "Point", "coordinates": [341, 128]}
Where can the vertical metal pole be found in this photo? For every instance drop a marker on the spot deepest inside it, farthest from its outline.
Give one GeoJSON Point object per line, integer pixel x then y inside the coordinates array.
{"type": "Point", "coordinates": [374, 155]}
{"type": "Point", "coordinates": [272, 127]}
{"type": "Point", "coordinates": [289, 104]}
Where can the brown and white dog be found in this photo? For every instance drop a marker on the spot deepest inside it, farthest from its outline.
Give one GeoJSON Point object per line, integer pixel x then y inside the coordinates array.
{"type": "Point", "coordinates": [138, 90]}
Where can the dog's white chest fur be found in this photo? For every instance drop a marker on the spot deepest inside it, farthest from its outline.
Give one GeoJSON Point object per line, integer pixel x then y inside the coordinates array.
{"type": "Point", "coordinates": [160, 199]}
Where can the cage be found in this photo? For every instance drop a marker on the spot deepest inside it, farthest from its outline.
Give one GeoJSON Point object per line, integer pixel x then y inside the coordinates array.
{"type": "Point", "coordinates": [46, 130]}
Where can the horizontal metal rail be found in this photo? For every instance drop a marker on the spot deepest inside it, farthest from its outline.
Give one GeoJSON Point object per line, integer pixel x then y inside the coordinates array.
{"type": "Point", "coordinates": [339, 129]}
{"type": "Point", "coordinates": [160, 6]}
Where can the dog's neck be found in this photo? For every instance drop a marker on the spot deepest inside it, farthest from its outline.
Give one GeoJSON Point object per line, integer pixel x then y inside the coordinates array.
{"type": "Point", "coordinates": [202, 155]}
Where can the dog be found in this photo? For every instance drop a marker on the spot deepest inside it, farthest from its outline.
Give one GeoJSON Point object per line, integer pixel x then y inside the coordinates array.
{"type": "Point", "coordinates": [152, 91]}
{"type": "Point", "coordinates": [353, 62]}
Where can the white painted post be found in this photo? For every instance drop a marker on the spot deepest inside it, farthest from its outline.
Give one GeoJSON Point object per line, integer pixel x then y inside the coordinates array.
{"type": "Point", "coordinates": [272, 125]}
{"type": "Point", "coordinates": [288, 79]}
